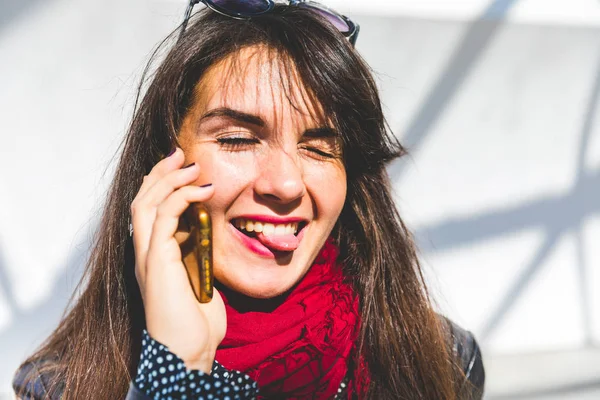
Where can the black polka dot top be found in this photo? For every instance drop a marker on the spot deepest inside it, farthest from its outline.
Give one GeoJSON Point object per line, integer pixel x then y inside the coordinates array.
{"type": "Point", "coordinates": [163, 375]}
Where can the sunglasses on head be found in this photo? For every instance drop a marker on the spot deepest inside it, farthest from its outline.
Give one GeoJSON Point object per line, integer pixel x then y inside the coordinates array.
{"type": "Point", "coordinates": [243, 9]}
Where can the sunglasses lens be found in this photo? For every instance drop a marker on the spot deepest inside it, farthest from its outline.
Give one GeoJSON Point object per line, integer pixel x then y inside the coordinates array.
{"type": "Point", "coordinates": [335, 19]}
{"type": "Point", "coordinates": [241, 7]}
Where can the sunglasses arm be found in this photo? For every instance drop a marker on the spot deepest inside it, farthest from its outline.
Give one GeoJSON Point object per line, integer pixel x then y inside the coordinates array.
{"type": "Point", "coordinates": [354, 35]}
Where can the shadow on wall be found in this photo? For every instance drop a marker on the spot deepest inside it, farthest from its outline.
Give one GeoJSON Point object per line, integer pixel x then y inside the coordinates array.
{"type": "Point", "coordinates": [557, 215]}
{"type": "Point", "coordinates": [31, 327]}
{"type": "Point", "coordinates": [10, 10]}
{"type": "Point", "coordinates": [473, 44]}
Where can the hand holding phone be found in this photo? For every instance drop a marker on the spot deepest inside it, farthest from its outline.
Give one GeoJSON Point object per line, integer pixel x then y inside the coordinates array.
{"type": "Point", "coordinates": [171, 289]}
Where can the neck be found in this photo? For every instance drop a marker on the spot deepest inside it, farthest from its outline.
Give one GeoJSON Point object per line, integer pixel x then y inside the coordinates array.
{"type": "Point", "coordinates": [243, 304]}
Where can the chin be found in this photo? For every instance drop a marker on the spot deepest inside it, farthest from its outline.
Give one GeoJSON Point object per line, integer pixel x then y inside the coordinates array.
{"type": "Point", "coordinates": [260, 288]}
{"type": "Point", "coordinates": [259, 293]}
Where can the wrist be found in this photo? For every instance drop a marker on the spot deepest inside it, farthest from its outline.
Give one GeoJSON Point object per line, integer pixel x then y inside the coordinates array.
{"type": "Point", "coordinates": [204, 362]}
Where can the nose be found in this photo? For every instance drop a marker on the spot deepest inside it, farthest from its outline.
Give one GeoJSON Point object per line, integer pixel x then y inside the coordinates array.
{"type": "Point", "coordinates": [281, 178]}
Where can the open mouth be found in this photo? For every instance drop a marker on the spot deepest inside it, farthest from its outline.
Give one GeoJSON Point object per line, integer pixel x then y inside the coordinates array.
{"type": "Point", "coordinates": [268, 238]}
{"type": "Point", "coordinates": [253, 229]}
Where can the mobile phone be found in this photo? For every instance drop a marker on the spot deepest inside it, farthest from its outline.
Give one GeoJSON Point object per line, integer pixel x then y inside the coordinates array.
{"type": "Point", "coordinates": [197, 252]}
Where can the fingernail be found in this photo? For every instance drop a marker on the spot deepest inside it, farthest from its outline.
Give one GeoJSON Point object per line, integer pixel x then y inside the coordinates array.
{"type": "Point", "coordinates": [191, 165]}
{"type": "Point", "coordinates": [172, 152]}
{"type": "Point", "coordinates": [207, 185]}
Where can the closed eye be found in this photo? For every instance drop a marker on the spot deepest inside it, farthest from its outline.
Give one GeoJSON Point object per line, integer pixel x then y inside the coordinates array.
{"type": "Point", "coordinates": [236, 143]}
{"type": "Point", "coordinates": [319, 152]}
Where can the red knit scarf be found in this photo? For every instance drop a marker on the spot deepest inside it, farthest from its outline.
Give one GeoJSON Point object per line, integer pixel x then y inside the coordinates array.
{"type": "Point", "coordinates": [298, 346]}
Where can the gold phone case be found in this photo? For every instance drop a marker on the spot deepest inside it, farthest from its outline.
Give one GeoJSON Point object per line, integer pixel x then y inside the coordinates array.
{"type": "Point", "coordinates": [197, 252]}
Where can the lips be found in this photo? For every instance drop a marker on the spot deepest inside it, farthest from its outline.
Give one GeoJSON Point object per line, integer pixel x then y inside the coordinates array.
{"type": "Point", "coordinates": [268, 236]}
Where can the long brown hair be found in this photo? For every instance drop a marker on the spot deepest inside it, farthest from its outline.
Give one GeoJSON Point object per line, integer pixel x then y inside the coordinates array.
{"type": "Point", "coordinates": [94, 351]}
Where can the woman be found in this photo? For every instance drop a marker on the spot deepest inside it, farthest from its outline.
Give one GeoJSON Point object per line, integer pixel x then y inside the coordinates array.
{"type": "Point", "coordinates": [273, 123]}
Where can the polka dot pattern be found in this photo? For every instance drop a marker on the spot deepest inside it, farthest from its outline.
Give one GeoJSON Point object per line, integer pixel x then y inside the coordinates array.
{"type": "Point", "coordinates": [163, 375]}
{"type": "Point", "coordinates": [342, 391]}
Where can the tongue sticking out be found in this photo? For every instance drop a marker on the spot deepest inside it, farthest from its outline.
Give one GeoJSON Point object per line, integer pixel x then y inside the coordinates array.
{"type": "Point", "coordinates": [278, 242]}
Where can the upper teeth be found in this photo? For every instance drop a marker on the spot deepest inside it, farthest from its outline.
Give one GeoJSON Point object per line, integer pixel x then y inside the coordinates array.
{"type": "Point", "coordinates": [267, 228]}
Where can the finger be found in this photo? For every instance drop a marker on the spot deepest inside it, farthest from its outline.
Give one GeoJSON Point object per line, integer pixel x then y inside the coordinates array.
{"type": "Point", "coordinates": [169, 212]}
{"type": "Point", "coordinates": [143, 209]}
{"type": "Point", "coordinates": [173, 162]}
{"type": "Point", "coordinates": [168, 183]}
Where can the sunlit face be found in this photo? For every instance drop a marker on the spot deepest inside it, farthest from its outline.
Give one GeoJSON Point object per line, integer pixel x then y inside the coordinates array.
{"type": "Point", "coordinates": [278, 175]}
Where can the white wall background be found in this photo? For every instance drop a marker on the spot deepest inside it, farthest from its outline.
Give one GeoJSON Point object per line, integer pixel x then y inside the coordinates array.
{"type": "Point", "coordinates": [498, 102]}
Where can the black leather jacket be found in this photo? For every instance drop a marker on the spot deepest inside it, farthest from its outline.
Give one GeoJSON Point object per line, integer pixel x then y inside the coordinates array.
{"type": "Point", "coordinates": [465, 349]}
{"type": "Point", "coordinates": [469, 358]}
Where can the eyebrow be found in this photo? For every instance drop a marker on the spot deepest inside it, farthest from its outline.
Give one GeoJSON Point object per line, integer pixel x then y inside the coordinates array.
{"type": "Point", "coordinates": [240, 116]}
{"type": "Point", "coordinates": [235, 115]}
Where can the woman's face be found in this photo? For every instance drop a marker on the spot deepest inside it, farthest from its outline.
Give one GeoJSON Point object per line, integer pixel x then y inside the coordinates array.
{"type": "Point", "coordinates": [278, 175]}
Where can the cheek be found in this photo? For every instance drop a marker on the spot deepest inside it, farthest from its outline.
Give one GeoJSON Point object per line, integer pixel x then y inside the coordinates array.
{"type": "Point", "coordinates": [231, 179]}
{"type": "Point", "coordinates": [328, 189]}
{"type": "Point", "coordinates": [225, 171]}
{"type": "Point", "coordinates": [204, 158]}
